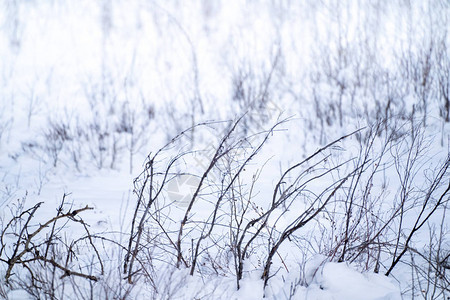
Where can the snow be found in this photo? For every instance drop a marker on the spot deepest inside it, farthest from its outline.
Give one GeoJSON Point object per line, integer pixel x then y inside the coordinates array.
{"type": "Point", "coordinates": [80, 64]}
{"type": "Point", "coordinates": [339, 281]}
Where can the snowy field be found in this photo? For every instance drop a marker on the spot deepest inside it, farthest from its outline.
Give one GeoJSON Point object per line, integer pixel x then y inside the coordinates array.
{"type": "Point", "coordinates": [224, 149]}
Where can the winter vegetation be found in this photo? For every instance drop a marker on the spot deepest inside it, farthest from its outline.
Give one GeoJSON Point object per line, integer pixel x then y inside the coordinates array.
{"type": "Point", "coordinates": [224, 149]}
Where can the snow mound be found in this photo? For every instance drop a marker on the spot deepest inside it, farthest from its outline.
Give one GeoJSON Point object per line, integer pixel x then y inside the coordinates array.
{"type": "Point", "coordinates": [339, 281]}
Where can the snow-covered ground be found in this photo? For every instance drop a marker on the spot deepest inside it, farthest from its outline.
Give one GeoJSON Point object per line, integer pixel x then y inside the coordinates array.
{"type": "Point", "coordinates": [91, 90]}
